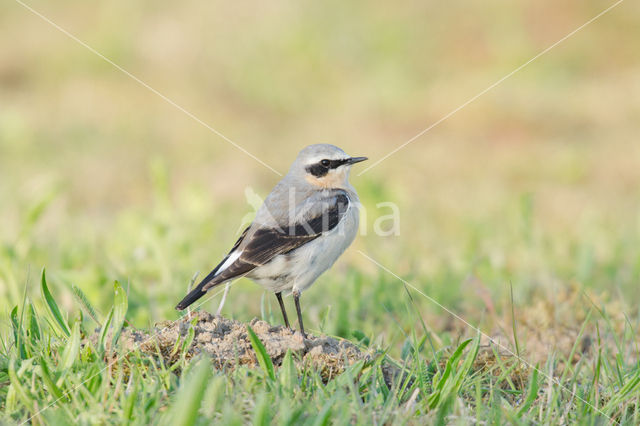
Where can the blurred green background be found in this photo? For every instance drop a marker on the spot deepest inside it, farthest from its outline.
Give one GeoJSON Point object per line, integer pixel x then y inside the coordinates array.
{"type": "Point", "coordinates": [536, 183]}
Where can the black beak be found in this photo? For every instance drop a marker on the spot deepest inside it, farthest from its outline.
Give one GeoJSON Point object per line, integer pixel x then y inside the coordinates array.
{"type": "Point", "coordinates": [354, 160]}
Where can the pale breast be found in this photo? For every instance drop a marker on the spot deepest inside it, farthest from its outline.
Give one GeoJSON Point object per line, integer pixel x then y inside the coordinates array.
{"type": "Point", "coordinates": [298, 269]}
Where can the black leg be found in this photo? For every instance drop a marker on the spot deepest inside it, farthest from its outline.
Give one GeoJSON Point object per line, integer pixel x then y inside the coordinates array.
{"type": "Point", "coordinates": [296, 299]}
{"type": "Point", "coordinates": [284, 311]}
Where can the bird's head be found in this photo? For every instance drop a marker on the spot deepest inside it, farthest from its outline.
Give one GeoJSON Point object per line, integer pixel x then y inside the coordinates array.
{"type": "Point", "coordinates": [324, 165]}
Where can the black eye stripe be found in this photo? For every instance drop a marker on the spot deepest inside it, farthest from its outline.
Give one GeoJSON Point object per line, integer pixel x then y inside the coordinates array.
{"type": "Point", "coordinates": [334, 164]}
{"type": "Point", "coordinates": [319, 170]}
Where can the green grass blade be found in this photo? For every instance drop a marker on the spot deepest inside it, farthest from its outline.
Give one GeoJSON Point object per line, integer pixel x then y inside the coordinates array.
{"type": "Point", "coordinates": [323, 418]}
{"type": "Point", "coordinates": [184, 410]}
{"type": "Point", "coordinates": [130, 400]}
{"type": "Point", "coordinates": [17, 333]}
{"type": "Point", "coordinates": [532, 393]}
{"type": "Point", "coordinates": [629, 388]}
{"type": "Point", "coordinates": [72, 348]}
{"type": "Point", "coordinates": [465, 368]}
{"type": "Point", "coordinates": [45, 372]}
{"type": "Point", "coordinates": [17, 385]}
{"type": "Point", "coordinates": [261, 353]}
{"type": "Point", "coordinates": [262, 412]}
{"type": "Point", "coordinates": [104, 331]}
{"type": "Point", "coordinates": [33, 328]}
{"type": "Point", "coordinates": [188, 340]}
{"type": "Point", "coordinates": [54, 311]}
{"type": "Point", "coordinates": [287, 372]}
{"type": "Point", "coordinates": [120, 306]}
{"type": "Point", "coordinates": [448, 383]}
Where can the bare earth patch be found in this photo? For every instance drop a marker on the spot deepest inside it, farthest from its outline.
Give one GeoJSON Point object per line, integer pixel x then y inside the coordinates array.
{"type": "Point", "coordinates": [227, 342]}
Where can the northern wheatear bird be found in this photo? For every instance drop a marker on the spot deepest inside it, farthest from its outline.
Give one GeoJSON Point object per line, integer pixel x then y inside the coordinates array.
{"type": "Point", "coordinates": [306, 222]}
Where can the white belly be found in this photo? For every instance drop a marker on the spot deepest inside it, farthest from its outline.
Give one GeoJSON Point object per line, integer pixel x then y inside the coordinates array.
{"type": "Point", "coordinates": [298, 269]}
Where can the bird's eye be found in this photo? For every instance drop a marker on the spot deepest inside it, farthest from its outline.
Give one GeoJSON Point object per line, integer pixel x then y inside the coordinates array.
{"type": "Point", "coordinates": [325, 163]}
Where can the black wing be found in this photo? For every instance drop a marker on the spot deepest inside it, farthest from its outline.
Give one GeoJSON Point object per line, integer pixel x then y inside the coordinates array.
{"type": "Point", "coordinates": [195, 295]}
{"type": "Point", "coordinates": [266, 243]}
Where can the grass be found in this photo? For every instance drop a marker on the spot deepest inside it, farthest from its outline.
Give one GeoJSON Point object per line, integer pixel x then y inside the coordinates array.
{"type": "Point", "coordinates": [52, 372]}
{"type": "Point", "coordinates": [519, 213]}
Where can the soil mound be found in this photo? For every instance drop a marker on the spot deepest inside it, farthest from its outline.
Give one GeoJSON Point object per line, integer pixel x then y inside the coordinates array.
{"type": "Point", "coordinates": [227, 342]}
